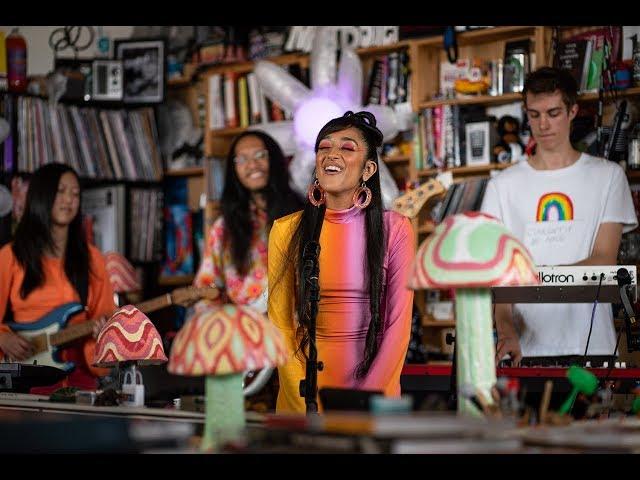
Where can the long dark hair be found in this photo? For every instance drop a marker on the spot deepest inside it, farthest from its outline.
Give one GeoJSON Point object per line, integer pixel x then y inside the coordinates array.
{"type": "Point", "coordinates": [281, 200]}
{"type": "Point", "coordinates": [313, 217]}
{"type": "Point", "coordinates": [33, 234]}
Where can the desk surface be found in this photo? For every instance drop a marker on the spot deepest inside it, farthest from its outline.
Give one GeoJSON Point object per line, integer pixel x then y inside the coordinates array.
{"type": "Point", "coordinates": [168, 414]}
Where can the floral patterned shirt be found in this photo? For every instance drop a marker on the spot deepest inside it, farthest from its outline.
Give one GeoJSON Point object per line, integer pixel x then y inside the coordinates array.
{"type": "Point", "coordinates": [217, 267]}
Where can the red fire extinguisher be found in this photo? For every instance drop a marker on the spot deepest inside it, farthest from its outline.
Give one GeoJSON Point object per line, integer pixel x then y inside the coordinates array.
{"type": "Point", "coordinates": [16, 61]}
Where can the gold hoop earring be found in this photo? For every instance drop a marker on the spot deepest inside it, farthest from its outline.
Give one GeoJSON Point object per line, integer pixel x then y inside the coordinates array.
{"type": "Point", "coordinates": [358, 193]}
{"type": "Point", "coordinates": [316, 190]}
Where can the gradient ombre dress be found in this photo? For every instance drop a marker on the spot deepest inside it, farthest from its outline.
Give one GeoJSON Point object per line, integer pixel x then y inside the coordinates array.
{"type": "Point", "coordinates": [343, 310]}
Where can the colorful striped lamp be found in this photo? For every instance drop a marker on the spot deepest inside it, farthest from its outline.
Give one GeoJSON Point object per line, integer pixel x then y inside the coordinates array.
{"type": "Point", "coordinates": [472, 252]}
{"type": "Point", "coordinates": [129, 338]}
{"type": "Point", "coordinates": [222, 343]}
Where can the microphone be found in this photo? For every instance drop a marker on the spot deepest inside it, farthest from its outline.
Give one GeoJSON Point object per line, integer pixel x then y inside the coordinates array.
{"type": "Point", "coordinates": [624, 282]}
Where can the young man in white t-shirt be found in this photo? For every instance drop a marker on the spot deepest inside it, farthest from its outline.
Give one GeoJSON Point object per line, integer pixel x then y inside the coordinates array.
{"type": "Point", "coordinates": [568, 208]}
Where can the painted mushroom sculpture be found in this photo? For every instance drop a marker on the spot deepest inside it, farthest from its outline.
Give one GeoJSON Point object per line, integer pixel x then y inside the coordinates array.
{"type": "Point", "coordinates": [471, 253]}
{"type": "Point", "coordinates": [222, 344]}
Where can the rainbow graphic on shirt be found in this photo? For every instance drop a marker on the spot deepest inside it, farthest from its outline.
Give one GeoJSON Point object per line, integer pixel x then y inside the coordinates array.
{"type": "Point", "coordinates": [554, 206]}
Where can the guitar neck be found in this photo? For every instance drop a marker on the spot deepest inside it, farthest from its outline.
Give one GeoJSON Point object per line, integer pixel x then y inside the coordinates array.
{"type": "Point", "coordinates": [71, 333]}
{"type": "Point", "coordinates": [84, 329]}
{"type": "Point", "coordinates": [154, 304]}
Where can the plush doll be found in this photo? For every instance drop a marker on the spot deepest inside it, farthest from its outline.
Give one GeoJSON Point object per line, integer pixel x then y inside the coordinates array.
{"type": "Point", "coordinates": [509, 147]}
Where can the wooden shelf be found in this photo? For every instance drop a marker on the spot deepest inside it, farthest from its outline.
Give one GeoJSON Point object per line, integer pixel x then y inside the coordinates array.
{"type": "Point", "coordinates": [227, 132]}
{"type": "Point", "coordinates": [514, 97]}
{"type": "Point", "coordinates": [484, 35]}
{"type": "Point", "coordinates": [178, 280]}
{"type": "Point", "coordinates": [244, 67]}
{"type": "Point", "coordinates": [465, 170]}
{"type": "Point", "coordinates": [185, 172]}
{"type": "Point", "coordinates": [396, 159]}
{"type": "Point", "coordinates": [382, 49]}
{"type": "Point", "coordinates": [474, 100]}
{"type": "Point", "coordinates": [179, 82]}
{"type": "Point", "coordinates": [593, 96]}
{"type": "Point", "coordinates": [633, 175]}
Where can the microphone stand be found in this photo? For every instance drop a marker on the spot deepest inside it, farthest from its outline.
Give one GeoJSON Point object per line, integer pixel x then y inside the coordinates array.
{"type": "Point", "coordinates": [310, 272]}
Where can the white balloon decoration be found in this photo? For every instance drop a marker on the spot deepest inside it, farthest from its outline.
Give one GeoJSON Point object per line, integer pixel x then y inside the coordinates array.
{"type": "Point", "coordinates": [332, 93]}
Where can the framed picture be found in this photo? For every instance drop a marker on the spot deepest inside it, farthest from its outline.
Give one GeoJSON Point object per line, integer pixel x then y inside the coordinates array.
{"type": "Point", "coordinates": [143, 68]}
{"type": "Point", "coordinates": [478, 142]}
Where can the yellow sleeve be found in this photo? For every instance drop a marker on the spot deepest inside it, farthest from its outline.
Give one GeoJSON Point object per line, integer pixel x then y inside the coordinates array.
{"type": "Point", "coordinates": [281, 313]}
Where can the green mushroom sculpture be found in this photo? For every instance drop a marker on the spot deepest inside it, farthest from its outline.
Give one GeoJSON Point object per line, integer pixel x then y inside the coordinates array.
{"type": "Point", "coordinates": [472, 252]}
{"type": "Point", "coordinates": [223, 343]}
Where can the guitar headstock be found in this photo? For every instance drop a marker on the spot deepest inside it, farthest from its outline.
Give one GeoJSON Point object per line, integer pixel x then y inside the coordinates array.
{"type": "Point", "coordinates": [189, 295]}
{"type": "Point", "coordinates": [412, 202]}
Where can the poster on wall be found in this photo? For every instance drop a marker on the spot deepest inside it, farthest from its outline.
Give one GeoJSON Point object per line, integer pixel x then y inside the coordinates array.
{"type": "Point", "coordinates": [143, 63]}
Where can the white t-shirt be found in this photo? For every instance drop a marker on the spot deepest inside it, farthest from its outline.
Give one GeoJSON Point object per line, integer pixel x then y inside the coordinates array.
{"type": "Point", "coordinates": [556, 214]}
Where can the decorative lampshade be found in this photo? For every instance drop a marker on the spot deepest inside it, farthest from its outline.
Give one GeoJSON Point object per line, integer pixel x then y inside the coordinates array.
{"type": "Point", "coordinates": [222, 343]}
{"type": "Point", "coordinates": [122, 275]}
{"type": "Point", "coordinates": [472, 252]}
{"type": "Point", "coordinates": [129, 336]}
{"type": "Point", "coordinates": [225, 340]}
{"type": "Point", "coordinates": [469, 250]}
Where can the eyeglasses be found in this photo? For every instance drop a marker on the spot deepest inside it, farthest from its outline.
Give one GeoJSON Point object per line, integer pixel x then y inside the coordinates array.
{"type": "Point", "coordinates": [257, 156]}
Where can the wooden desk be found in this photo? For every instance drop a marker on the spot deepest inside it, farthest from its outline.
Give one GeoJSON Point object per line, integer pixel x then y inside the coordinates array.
{"type": "Point", "coordinates": [143, 413]}
{"type": "Point", "coordinates": [40, 426]}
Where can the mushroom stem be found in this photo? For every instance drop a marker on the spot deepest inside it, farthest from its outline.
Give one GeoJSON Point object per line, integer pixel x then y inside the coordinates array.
{"type": "Point", "coordinates": [475, 352]}
{"type": "Point", "coordinates": [224, 419]}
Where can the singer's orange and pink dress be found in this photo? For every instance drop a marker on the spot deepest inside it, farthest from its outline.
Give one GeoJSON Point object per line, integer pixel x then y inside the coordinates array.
{"type": "Point", "coordinates": [343, 310]}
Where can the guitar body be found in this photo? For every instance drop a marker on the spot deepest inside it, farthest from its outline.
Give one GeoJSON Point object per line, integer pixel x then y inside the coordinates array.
{"type": "Point", "coordinates": [40, 331]}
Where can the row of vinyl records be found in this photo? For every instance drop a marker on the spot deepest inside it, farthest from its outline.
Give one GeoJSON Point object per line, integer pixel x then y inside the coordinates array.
{"type": "Point", "coordinates": [460, 197]}
{"type": "Point", "coordinates": [97, 143]}
{"type": "Point", "coordinates": [105, 211]}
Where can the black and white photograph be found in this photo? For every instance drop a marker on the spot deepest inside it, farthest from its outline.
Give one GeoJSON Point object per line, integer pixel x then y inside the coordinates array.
{"type": "Point", "coordinates": [144, 70]}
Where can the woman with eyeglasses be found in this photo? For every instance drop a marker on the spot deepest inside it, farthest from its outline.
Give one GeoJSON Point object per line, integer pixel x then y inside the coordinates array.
{"type": "Point", "coordinates": [363, 321]}
{"type": "Point", "coordinates": [256, 192]}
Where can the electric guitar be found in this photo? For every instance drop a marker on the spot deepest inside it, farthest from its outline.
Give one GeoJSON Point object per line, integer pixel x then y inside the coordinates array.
{"type": "Point", "coordinates": [50, 333]}
{"type": "Point", "coordinates": [412, 202]}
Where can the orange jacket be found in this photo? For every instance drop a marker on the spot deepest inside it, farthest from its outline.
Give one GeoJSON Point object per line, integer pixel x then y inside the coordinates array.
{"type": "Point", "coordinates": [56, 291]}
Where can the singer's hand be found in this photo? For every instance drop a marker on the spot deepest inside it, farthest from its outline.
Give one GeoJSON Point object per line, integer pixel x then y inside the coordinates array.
{"type": "Point", "coordinates": [509, 344]}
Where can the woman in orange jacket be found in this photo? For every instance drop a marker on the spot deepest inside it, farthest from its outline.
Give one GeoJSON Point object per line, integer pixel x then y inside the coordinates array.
{"type": "Point", "coordinates": [49, 263]}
